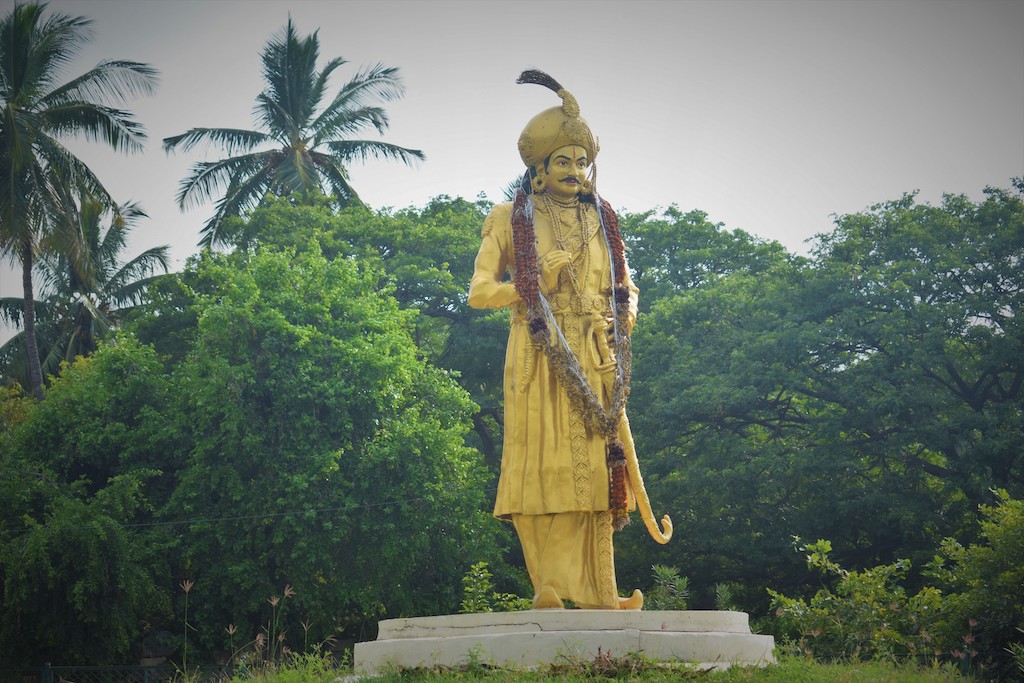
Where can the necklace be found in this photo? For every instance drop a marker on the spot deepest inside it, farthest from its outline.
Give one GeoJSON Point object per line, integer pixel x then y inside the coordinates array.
{"type": "Point", "coordinates": [570, 203]}
{"type": "Point", "coordinates": [565, 216]}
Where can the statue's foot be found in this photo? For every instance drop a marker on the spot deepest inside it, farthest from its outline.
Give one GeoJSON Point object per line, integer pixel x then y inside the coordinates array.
{"type": "Point", "coordinates": [634, 601]}
{"type": "Point", "coordinates": [547, 599]}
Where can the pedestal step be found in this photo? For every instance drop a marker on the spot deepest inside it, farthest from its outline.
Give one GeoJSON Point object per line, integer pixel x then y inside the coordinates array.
{"type": "Point", "coordinates": [534, 637]}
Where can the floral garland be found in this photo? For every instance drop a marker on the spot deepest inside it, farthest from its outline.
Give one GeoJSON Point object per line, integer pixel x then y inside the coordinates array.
{"type": "Point", "coordinates": [563, 361]}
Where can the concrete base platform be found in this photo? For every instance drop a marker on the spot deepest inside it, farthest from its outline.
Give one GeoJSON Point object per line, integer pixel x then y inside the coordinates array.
{"type": "Point", "coordinates": [534, 637]}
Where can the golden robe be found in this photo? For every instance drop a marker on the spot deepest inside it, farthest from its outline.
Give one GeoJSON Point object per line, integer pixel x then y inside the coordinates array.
{"type": "Point", "coordinates": [552, 462]}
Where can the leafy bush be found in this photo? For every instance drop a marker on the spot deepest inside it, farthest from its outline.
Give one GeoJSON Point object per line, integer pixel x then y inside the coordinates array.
{"type": "Point", "coordinates": [670, 590]}
{"type": "Point", "coordinates": [975, 615]}
{"type": "Point", "coordinates": [1016, 651]}
{"type": "Point", "coordinates": [868, 614]}
{"type": "Point", "coordinates": [985, 586]}
{"type": "Point", "coordinates": [480, 595]}
{"type": "Point", "coordinates": [725, 597]}
{"type": "Point", "coordinates": [81, 474]}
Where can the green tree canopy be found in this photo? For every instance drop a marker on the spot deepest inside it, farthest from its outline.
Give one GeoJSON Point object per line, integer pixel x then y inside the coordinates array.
{"type": "Point", "coordinates": [322, 447]}
{"type": "Point", "coordinates": [293, 434]}
{"type": "Point", "coordinates": [674, 251]}
{"type": "Point", "coordinates": [871, 395]}
{"type": "Point", "coordinates": [82, 566]}
{"type": "Point", "coordinates": [426, 255]}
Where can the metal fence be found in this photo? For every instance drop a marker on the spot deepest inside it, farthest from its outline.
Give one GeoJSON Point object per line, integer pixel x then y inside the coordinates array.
{"type": "Point", "coordinates": [108, 674]}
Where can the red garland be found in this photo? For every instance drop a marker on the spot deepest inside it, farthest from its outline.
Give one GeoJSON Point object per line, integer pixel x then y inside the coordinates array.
{"type": "Point", "coordinates": [611, 226]}
{"type": "Point", "coordinates": [527, 275]}
{"type": "Point", "coordinates": [524, 241]}
{"type": "Point", "coordinates": [617, 483]}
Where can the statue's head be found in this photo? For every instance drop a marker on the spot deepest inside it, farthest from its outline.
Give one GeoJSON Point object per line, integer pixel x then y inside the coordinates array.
{"type": "Point", "coordinates": [565, 172]}
{"type": "Point", "coordinates": [554, 130]}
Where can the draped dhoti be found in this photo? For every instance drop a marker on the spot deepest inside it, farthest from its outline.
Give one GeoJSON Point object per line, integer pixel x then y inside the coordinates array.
{"type": "Point", "coordinates": [570, 553]}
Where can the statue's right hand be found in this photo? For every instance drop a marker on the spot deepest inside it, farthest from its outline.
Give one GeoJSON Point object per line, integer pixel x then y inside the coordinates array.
{"type": "Point", "coordinates": [551, 265]}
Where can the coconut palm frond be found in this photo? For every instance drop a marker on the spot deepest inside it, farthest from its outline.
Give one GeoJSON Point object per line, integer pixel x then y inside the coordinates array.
{"type": "Point", "coordinates": [232, 140]}
{"type": "Point", "coordinates": [348, 150]}
{"type": "Point", "coordinates": [209, 178]}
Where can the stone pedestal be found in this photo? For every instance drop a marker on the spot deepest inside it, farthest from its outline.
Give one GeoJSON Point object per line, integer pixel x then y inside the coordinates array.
{"type": "Point", "coordinates": [534, 637]}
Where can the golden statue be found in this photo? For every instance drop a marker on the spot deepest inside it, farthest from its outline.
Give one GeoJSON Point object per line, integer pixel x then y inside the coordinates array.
{"type": "Point", "coordinates": [569, 473]}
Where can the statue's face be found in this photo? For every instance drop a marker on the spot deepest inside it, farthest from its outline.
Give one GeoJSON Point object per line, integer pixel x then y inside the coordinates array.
{"type": "Point", "coordinates": [567, 169]}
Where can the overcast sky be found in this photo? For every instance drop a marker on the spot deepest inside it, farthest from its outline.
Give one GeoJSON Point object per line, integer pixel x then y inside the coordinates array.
{"type": "Point", "coordinates": [769, 115]}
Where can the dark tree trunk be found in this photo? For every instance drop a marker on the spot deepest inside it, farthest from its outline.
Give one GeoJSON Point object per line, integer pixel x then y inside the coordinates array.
{"type": "Point", "coordinates": [35, 371]}
{"type": "Point", "coordinates": [487, 440]}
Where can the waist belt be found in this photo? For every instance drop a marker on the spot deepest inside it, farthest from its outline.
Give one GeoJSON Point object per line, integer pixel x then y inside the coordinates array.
{"type": "Point", "coordinates": [565, 303]}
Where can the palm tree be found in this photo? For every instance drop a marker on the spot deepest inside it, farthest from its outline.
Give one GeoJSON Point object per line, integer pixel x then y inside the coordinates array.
{"type": "Point", "coordinates": [309, 150]}
{"type": "Point", "coordinates": [85, 291]}
{"type": "Point", "coordinates": [36, 170]}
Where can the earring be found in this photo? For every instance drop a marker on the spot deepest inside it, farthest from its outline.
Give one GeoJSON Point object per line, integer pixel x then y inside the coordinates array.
{"type": "Point", "coordinates": [587, 186]}
{"type": "Point", "coordinates": [538, 183]}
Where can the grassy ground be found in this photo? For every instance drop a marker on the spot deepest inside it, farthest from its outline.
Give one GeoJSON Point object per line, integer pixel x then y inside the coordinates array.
{"type": "Point", "coordinates": [788, 670]}
{"type": "Point", "coordinates": [794, 671]}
